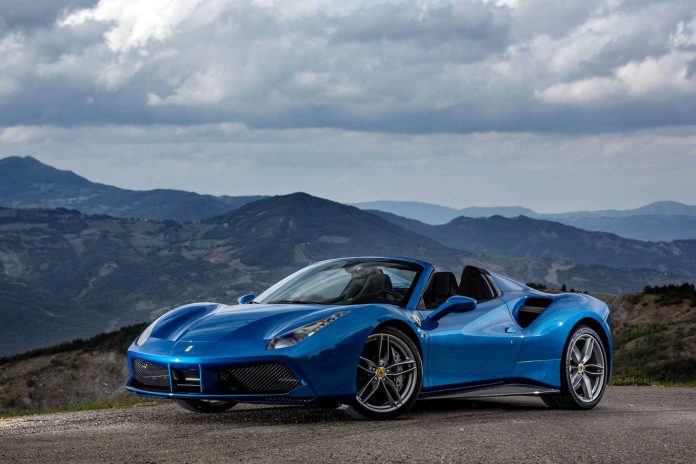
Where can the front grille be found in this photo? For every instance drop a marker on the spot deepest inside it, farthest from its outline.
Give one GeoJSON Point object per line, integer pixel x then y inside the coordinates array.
{"type": "Point", "coordinates": [151, 374]}
{"type": "Point", "coordinates": [257, 378]}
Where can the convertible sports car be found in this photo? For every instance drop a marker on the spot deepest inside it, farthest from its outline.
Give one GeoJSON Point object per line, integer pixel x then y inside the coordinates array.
{"type": "Point", "coordinates": [374, 335]}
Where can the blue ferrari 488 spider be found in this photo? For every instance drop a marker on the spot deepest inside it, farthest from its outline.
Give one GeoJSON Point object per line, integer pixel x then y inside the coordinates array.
{"type": "Point", "coordinates": [374, 335]}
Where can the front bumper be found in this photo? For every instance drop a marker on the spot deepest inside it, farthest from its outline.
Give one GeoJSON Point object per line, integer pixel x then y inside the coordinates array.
{"type": "Point", "coordinates": [324, 364]}
{"type": "Point", "coordinates": [261, 381]}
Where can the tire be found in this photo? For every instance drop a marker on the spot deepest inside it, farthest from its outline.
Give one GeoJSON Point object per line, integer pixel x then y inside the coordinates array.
{"type": "Point", "coordinates": [578, 369]}
{"type": "Point", "coordinates": [389, 376]}
{"type": "Point", "coordinates": [206, 406]}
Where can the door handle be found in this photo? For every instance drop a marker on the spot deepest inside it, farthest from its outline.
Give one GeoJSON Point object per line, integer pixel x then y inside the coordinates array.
{"type": "Point", "coordinates": [512, 329]}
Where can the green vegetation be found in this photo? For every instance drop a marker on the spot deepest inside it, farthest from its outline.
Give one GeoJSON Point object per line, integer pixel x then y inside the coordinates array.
{"type": "Point", "coordinates": [118, 340]}
{"type": "Point", "coordinates": [624, 381]}
{"type": "Point", "coordinates": [624, 334]}
{"type": "Point", "coordinates": [673, 294]}
{"type": "Point", "coordinates": [648, 352]}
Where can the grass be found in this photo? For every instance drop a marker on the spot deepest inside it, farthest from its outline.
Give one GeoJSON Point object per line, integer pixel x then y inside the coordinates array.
{"type": "Point", "coordinates": [638, 381]}
{"type": "Point", "coordinates": [117, 404]}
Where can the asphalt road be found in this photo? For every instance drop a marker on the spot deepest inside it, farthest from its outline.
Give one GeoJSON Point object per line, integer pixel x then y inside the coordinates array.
{"type": "Point", "coordinates": [632, 424]}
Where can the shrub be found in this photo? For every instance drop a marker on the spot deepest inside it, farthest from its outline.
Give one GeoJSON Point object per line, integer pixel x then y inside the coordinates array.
{"type": "Point", "coordinates": [673, 294]}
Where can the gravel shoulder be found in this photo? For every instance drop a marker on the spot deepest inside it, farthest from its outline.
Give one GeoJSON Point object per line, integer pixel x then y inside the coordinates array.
{"type": "Point", "coordinates": [631, 424]}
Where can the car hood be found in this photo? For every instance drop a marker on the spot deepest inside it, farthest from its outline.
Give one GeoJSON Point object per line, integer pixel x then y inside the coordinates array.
{"type": "Point", "coordinates": [250, 322]}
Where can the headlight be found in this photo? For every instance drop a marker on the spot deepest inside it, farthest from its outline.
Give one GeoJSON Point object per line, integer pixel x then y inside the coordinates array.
{"type": "Point", "coordinates": [296, 336]}
{"type": "Point", "coordinates": [147, 332]}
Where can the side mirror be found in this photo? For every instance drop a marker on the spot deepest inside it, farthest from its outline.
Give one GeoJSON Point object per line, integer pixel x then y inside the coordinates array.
{"type": "Point", "coordinates": [454, 304]}
{"type": "Point", "coordinates": [244, 299]}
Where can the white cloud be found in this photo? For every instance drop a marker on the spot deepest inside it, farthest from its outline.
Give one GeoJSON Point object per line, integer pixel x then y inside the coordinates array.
{"type": "Point", "coordinates": [135, 22]}
{"type": "Point", "coordinates": [19, 134]}
{"type": "Point", "coordinates": [585, 91]}
{"type": "Point", "coordinates": [685, 35]}
{"type": "Point", "coordinates": [667, 75]}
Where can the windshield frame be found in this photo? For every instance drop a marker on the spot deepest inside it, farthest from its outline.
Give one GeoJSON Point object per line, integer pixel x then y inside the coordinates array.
{"type": "Point", "coordinates": [422, 269]}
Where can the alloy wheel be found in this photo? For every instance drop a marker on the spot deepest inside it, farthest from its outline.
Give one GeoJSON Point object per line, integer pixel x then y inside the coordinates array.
{"type": "Point", "coordinates": [387, 373]}
{"type": "Point", "coordinates": [586, 368]}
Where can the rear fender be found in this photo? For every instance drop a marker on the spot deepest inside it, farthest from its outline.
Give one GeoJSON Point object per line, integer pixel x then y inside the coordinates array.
{"type": "Point", "coordinates": [545, 337]}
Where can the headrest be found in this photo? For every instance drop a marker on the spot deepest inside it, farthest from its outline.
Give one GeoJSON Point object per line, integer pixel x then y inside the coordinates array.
{"type": "Point", "coordinates": [444, 284]}
{"type": "Point", "coordinates": [473, 284]}
{"type": "Point", "coordinates": [376, 283]}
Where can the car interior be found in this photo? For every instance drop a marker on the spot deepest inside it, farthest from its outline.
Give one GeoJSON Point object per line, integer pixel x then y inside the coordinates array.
{"type": "Point", "coordinates": [365, 281]}
{"type": "Point", "coordinates": [475, 283]}
{"type": "Point", "coordinates": [369, 284]}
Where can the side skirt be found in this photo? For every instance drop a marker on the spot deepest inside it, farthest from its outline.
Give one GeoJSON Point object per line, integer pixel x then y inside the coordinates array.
{"type": "Point", "coordinates": [501, 390]}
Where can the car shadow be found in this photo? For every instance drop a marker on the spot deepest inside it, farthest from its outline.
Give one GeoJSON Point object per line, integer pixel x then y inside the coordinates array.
{"type": "Point", "coordinates": [422, 410]}
{"type": "Point", "coordinates": [482, 404]}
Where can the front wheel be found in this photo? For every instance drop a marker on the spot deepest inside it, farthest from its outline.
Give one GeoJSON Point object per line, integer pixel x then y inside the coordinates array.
{"type": "Point", "coordinates": [583, 372]}
{"type": "Point", "coordinates": [389, 376]}
{"type": "Point", "coordinates": [206, 406]}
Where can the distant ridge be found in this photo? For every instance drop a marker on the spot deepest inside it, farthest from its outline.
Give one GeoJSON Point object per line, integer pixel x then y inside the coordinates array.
{"type": "Point", "coordinates": [528, 237]}
{"type": "Point", "coordinates": [436, 214]}
{"type": "Point", "coordinates": [658, 208]}
{"type": "Point", "coordinates": [26, 183]}
{"type": "Point", "coordinates": [659, 221]}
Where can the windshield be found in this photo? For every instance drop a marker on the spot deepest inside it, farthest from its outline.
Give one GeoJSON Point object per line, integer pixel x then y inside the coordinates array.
{"type": "Point", "coordinates": [346, 282]}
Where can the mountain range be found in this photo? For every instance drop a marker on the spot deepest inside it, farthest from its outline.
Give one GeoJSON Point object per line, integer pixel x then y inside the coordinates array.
{"type": "Point", "coordinates": [522, 236]}
{"type": "Point", "coordinates": [66, 273]}
{"type": "Point", "coordinates": [659, 221]}
{"type": "Point", "coordinates": [28, 183]}
{"type": "Point", "coordinates": [437, 214]}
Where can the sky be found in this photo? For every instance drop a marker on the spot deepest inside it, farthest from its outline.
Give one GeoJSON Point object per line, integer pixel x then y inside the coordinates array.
{"type": "Point", "coordinates": [553, 105]}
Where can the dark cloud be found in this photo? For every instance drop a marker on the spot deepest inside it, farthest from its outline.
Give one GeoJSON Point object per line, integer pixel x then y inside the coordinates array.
{"type": "Point", "coordinates": [26, 15]}
{"type": "Point", "coordinates": [468, 66]}
{"type": "Point", "coordinates": [470, 24]}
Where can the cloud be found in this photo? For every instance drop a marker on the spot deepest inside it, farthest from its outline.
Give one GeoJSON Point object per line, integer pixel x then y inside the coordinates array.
{"type": "Point", "coordinates": [651, 77]}
{"type": "Point", "coordinates": [28, 15]}
{"type": "Point", "coordinates": [383, 66]}
{"type": "Point", "coordinates": [135, 22]}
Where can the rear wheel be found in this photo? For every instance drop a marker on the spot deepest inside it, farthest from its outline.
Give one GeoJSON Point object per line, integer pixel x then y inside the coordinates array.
{"type": "Point", "coordinates": [206, 406]}
{"type": "Point", "coordinates": [389, 376]}
{"type": "Point", "coordinates": [583, 372]}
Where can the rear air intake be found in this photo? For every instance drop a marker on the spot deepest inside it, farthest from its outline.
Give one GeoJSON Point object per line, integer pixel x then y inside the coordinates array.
{"type": "Point", "coordinates": [155, 376]}
{"type": "Point", "coordinates": [257, 378]}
